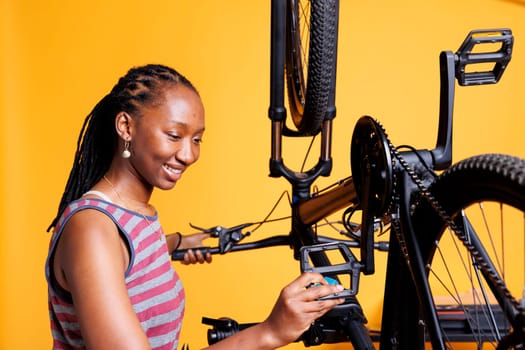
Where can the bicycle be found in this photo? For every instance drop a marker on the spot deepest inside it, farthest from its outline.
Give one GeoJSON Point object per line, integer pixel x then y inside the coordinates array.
{"type": "Point", "coordinates": [397, 189]}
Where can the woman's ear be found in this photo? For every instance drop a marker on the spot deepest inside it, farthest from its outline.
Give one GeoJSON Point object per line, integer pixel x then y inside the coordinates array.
{"type": "Point", "coordinates": [123, 125]}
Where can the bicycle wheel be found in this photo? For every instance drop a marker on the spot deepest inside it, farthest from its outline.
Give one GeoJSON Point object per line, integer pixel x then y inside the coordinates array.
{"type": "Point", "coordinates": [311, 45]}
{"type": "Point", "coordinates": [477, 272]}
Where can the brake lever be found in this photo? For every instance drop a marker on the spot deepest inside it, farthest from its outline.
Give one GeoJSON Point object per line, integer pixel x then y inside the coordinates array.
{"type": "Point", "coordinates": [227, 236]}
{"type": "Point", "coordinates": [213, 231]}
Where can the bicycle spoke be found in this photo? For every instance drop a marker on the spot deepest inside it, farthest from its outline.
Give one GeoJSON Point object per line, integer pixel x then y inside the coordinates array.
{"type": "Point", "coordinates": [460, 278]}
{"type": "Point", "coordinates": [487, 227]}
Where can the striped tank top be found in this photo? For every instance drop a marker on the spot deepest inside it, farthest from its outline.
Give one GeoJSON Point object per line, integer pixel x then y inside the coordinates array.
{"type": "Point", "coordinates": [154, 287]}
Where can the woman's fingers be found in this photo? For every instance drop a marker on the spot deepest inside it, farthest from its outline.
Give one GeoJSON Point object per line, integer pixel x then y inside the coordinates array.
{"type": "Point", "coordinates": [316, 292]}
{"type": "Point", "coordinates": [196, 256]}
{"type": "Point", "coordinates": [298, 305]}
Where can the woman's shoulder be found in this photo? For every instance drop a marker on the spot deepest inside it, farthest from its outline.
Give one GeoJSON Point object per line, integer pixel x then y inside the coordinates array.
{"type": "Point", "coordinates": [92, 205]}
{"type": "Point", "coordinates": [87, 219]}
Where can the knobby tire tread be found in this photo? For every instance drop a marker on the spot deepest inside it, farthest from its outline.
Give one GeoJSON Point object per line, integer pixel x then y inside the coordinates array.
{"type": "Point", "coordinates": [308, 108]}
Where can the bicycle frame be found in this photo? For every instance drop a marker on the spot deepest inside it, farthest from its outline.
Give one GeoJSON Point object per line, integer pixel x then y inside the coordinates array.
{"type": "Point", "coordinates": [308, 209]}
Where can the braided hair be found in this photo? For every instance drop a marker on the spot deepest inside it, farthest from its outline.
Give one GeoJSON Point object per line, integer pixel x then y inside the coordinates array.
{"type": "Point", "coordinates": [98, 139]}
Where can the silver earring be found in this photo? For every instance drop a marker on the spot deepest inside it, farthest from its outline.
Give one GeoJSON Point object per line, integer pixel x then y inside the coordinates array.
{"type": "Point", "coordinates": [126, 153]}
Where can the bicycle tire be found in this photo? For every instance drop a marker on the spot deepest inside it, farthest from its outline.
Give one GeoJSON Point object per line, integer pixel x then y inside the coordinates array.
{"type": "Point", "coordinates": [479, 189]}
{"type": "Point", "coordinates": [311, 62]}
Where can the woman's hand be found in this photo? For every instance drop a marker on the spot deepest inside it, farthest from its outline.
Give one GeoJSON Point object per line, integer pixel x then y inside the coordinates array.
{"type": "Point", "coordinates": [298, 306]}
{"type": "Point", "coordinates": [293, 313]}
{"type": "Point", "coordinates": [189, 241]}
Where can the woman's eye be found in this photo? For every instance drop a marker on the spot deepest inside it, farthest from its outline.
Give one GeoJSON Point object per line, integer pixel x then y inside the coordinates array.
{"type": "Point", "coordinates": [197, 140]}
{"type": "Point", "coordinates": [174, 136]}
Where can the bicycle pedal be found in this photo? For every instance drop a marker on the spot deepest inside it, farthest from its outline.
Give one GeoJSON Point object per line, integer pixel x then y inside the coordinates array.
{"type": "Point", "coordinates": [342, 267]}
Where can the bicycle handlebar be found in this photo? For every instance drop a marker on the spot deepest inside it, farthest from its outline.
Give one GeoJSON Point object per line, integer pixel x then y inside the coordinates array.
{"type": "Point", "coordinates": [268, 242]}
{"type": "Point", "coordinates": [274, 241]}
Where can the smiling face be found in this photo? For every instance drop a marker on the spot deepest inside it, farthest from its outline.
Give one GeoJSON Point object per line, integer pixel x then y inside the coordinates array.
{"type": "Point", "coordinates": [166, 137]}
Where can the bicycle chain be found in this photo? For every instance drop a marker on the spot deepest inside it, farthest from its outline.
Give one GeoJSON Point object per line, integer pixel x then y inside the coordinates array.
{"type": "Point", "coordinates": [424, 191]}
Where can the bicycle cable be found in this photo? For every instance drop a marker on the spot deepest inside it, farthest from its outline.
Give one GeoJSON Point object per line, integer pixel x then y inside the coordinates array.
{"type": "Point", "coordinates": [266, 218]}
{"type": "Point", "coordinates": [308, 152]}
{"type": "Point", "coordinates": [418, 155]}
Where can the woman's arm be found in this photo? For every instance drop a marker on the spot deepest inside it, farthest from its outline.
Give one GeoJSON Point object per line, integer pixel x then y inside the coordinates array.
{"type": "Point", "coordinates": [296, 308]}
{"type": "Point", "coordinates": [90, 262]}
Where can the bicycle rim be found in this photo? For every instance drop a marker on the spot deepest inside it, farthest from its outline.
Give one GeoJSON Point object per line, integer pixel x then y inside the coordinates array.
{"type": "Point", "coordinates": [477, 273]}
{"type": "Point", "coordinates": [311, 42]}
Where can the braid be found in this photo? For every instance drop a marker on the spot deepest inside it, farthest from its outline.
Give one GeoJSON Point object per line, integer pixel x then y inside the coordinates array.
{"type": "Point", "coordinates": [98, 139]}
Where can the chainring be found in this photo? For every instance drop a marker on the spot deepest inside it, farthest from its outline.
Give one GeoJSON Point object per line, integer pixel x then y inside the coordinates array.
{"type": "Point", "coordinates": [371, 160]}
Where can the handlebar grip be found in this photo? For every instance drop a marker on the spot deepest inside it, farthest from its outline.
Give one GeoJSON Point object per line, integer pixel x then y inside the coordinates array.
{"type": "Point", "coordinates": [179, 254]}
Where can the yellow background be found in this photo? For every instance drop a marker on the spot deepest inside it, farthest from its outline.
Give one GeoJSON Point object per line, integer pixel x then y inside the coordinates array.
{"type": "Point", "coordinates": [58, 58]}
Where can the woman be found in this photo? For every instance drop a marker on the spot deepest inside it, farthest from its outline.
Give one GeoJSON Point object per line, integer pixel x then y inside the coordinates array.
{"type": "Point", "coordinates": [111, 281]}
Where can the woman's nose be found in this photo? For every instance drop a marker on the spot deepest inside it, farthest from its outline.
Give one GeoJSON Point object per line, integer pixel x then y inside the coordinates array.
{"type": "Point", "coordinates": [188, 153]}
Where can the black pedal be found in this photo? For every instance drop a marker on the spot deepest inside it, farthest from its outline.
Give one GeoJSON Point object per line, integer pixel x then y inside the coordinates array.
{"type": "Point", "coordinates": [488, 49]}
